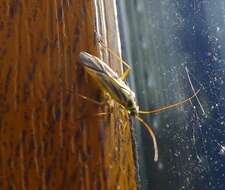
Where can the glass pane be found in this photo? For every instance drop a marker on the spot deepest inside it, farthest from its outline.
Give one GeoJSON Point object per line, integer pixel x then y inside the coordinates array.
{"type": "Point", "coordinates": [171, 46]}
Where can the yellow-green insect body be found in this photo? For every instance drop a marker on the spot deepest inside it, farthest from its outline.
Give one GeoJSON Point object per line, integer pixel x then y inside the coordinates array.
{"type": "Point", "coordinates": [110, 82]}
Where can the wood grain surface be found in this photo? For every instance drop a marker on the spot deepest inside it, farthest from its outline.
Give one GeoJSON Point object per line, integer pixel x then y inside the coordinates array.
{"type": "Point", "coordinates": [50, 138]}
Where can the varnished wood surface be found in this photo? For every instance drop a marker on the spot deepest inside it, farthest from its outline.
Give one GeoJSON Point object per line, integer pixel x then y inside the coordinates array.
{"type": "Point", "coordinates": [49, 136]}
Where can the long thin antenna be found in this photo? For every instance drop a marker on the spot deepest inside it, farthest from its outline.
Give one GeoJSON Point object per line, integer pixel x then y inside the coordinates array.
{"type": "Point", "coordinates": [169, 106]}
{"type": "Point", "coordinates": [152, 135]}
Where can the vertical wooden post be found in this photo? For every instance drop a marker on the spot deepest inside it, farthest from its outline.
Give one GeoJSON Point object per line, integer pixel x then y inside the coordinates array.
{"type": "Point", "coordinates": [49, 137]}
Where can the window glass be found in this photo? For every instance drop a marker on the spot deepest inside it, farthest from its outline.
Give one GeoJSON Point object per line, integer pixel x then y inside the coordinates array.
{"type": "Point", "coordinates": [176, 47]}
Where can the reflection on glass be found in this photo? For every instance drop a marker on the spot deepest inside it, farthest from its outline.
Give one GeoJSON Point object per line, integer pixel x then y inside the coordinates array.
{"type": "Point", "coordinates": [175, 47]}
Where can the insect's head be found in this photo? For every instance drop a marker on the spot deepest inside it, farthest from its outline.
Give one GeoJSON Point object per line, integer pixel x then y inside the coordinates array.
{"type": "Point", "coordinates": [132, 107]}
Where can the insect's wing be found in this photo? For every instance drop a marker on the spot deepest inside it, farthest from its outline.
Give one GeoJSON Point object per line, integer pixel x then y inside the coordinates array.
{"type": "Point", "coordinates": [116, 90]}
{"type": "Point", "coordinates": [107, 79]}
{"type": "Point", "coordinates": [96, 65]}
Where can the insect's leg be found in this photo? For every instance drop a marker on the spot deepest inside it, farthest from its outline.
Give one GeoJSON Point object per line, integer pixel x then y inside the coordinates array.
{"type": "Point", "coordinates": [92, 100]}
{"type": "Point", "coordinates": [100, 114]}
{"type": "Point", "coordinates": [93, 115]}
{"type": "Point", "coordinates": [126, 72]}
{"type": "Point", "coordinates": [88, 98]}
{"type": "Point", "coordinates": [100, 103]}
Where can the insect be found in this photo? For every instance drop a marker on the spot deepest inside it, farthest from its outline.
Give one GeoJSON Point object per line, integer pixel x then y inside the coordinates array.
{"type": "Point", "coordinates": [113, 84]}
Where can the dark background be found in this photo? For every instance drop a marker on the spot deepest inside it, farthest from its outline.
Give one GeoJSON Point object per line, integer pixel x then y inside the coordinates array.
{"type": "Point", "coordinates": [162, 40]}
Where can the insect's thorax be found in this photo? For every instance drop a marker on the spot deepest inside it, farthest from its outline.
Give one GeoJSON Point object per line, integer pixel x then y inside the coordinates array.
{"type": "Point", "coordinates": [133, 109]}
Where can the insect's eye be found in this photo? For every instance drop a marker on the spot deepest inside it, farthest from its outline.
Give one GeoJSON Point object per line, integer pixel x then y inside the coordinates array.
{"type": "Point", "coordinates": [129, 104]}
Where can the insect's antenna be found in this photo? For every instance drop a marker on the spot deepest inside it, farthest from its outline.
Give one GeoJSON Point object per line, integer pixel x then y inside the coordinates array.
{"type": "Point", "coordinates": [152, 135]}
{"type": "Point", "coordinates": [169, 106]}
